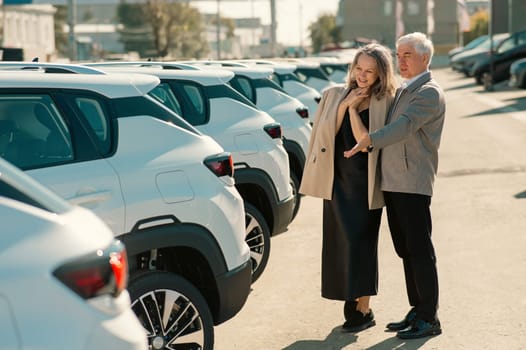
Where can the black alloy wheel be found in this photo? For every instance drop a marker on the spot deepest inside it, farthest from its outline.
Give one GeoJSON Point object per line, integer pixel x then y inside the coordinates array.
{"type": "Point", "coordinates": [172, 311]}
{"type": "Point", "coordinates": [257, 236]}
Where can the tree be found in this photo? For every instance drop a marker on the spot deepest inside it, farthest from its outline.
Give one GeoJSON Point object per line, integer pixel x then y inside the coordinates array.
{"type": "Point", "coordinates": [61, 38]}
{"type": "Point", "coordinates": [161, 28]}
{"type": "Point", "coordinates": [479, 22]}
{"type": "Point", "coordinates": [324, 31]}
{"type": "Point", "coordinates": [177, 29]}
{"type": "Point", "coordinates": [135, 33]}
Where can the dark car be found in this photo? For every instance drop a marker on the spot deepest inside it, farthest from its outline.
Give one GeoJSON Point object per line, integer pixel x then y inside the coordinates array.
{"type": "Point", "coordinates": [518, 74]}
{"type": "Point", "coordinates": [463, 62]}
{"type": "Point", "coordinates": [508, 51]}
{"type": "Point", "coordinates": [469, 46]}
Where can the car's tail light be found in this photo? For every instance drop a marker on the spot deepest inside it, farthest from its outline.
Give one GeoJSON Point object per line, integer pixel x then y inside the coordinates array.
{"type": "Point", "coordinates": [221, 164]}
{"type": "Point", "coordinates": [317, 99]}
{"type": "Point", "coordinates": [99, 273]}
{"type": "Point", "coordinates": [303, 112]}
{"type": "Point", "coordinates": [273, 130]}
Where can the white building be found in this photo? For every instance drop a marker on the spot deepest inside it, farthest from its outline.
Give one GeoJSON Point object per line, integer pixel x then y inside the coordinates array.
{"type": "Point", "coordinates": [30, 28]}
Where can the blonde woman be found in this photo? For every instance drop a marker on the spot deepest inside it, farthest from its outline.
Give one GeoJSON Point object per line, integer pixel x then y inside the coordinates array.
{"type": "Point", "coordinates": [353, 201]}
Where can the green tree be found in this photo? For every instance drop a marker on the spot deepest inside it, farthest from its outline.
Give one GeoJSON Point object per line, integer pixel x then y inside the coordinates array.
{"type": "Point", "coordinates": [177, 29]}
{"type": "Point", "coordinates": [479, 22]}
{"type": "Point", "coordinates": [135, 34]}
{"type": "Point", "coordinates": [161, 28]}
{"type": "Point", "coordinates": [324, 31]}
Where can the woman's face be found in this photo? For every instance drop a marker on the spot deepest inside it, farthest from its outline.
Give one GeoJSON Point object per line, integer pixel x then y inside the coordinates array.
{"type": "Point", "coordinates": [365, 72]}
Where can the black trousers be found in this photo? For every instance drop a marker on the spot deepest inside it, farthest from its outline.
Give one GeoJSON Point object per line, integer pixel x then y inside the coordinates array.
{"type": "Point", "coordinates": [409, 219]}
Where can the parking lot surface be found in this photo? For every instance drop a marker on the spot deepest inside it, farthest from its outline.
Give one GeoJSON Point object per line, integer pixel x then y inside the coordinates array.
{"type": "Point", "coordinates": [479, 213]}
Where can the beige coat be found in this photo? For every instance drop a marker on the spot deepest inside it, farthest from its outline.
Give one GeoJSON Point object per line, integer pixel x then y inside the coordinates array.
{"type": "Point", "coordinates": [318, 174]}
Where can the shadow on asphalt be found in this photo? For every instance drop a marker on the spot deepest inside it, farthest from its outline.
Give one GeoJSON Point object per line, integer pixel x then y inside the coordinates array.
{"type": "Point", "coordinates": [335, 340]}
{"type": "Point", "coordinates": [460, 87]}
{"type": "Point", "coordinates": [394, 343]}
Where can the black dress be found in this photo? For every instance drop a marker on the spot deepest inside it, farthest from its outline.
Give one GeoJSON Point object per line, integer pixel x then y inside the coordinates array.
{"type": "Point", "coordinates": [350, 229]}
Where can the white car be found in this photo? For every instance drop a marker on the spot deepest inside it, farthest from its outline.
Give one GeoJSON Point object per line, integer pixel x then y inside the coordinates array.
{"type": "Point", "coordinates": [311, 73]}
{"type": "Point", "coordinates": [165, 189]}
{"type": "Point", "coordinates": [283, 75]}
{"type": "Point", "coordinates": [205, 100]}
{"type": "Point", "coordinates": [62, 274]}
{"type": "Point", "coordinates": [255, 84]}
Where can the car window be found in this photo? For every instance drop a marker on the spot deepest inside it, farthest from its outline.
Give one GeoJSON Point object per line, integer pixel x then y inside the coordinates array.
{"type": "Point", "coordinates": [507, 45]}
{"type": "Point", "coordinates": [165, 95]}
{"type": "Point", "coordinates": [94, 113]}
{"type": "Point", "coordinates": [244, 86]}
{"type": "Point", "coordinates": [146, 105]}
{"type": "Point", "coordinates": [192, 101]}
{"type": "Point", "coordinates": [275, 78]}
{"type": "Point", "coordinates": [32, 131]}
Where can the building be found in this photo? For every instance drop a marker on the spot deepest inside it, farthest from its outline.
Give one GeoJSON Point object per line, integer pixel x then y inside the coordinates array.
{"type": "Point", "coordinates": [29, 29]}
{"type": "Point", "coordinates": [385, 20]}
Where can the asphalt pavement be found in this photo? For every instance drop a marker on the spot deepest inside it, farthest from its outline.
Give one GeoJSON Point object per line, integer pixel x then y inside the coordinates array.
{"type": "Point", "coordinates": [479, 230]}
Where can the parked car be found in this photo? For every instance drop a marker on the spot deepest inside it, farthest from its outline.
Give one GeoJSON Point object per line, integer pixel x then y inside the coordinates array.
{"type": "Point", "coordinates": [336, 69]}
{"type": "Point", "coordinates": [469, 46]}
{"type": "Point", "coordinates": [311, 74]}
{"type": "Point", "coordinates": [464, 61]}
{"type": "Point", "coordinates": [518, 74]}
{"type": "Point", "coordinates": [63, 275]}
{"type": "Point", "coordinates": [262, 176]}
{"type": "Point", "coordinates": [496, 67]}
{"type": "Point", "coordinates": [283, 75]}
{"type": "Point", "coordinates": [165, 189]}
{"type": "Point", "coordinates": [254, 83]}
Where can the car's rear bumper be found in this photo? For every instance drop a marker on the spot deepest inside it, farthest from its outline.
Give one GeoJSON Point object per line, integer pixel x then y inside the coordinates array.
{"type": "Point", "coordinates": [233, 289]}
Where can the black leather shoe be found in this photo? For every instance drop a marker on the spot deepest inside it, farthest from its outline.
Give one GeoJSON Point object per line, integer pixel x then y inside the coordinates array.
{"type": "Point", "coordinates": [406, 322]}
{"type": "Point", "coordinates": [358, 322]}
{"type": "Point", "coordinates": [419, 329]}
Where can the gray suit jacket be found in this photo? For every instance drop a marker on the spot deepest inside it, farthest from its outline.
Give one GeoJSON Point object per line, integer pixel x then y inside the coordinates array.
{"type": "Point", "coordinates": [318, 173]}
{"type": "Point", "coordinates": [410, 140]}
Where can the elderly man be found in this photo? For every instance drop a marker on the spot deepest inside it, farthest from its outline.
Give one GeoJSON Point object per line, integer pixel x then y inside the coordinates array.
{"type": "Point", "coordinates": [409, 159]}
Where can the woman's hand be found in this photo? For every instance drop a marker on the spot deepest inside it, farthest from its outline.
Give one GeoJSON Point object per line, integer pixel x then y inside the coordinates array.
{"type": "Point", "coordinates": [355, 97]}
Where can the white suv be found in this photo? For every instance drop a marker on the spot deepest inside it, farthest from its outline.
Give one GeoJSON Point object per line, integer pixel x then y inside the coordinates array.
{"type": "Point", "coordinates": [205, 100]}
{"type": "Point", "coordinates": [255, 84]}
{"type": "Point", "coordinates": [283, 75]}
{"type": "Point", "coordinates": [60, 264]}
{"type": "Point", "coordinates": [165, 189]}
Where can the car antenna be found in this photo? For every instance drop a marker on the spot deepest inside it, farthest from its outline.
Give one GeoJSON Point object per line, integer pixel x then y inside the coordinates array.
{"type": "Point", "coordinates": [35, 59]}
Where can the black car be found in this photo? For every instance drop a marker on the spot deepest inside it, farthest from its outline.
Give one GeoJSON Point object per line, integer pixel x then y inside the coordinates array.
{"type": "Point", "coordinates": [518, 74]}
{"type": "Point", "coordinates": [464, 61]}
{"type": "Point", "coordinates": [508, 51]}
{"type": "Point", "coordinates": [469, 46]}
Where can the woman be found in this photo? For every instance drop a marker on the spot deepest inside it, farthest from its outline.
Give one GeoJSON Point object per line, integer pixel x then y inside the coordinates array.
{"type": "Point", "coordinates": [353, 201]}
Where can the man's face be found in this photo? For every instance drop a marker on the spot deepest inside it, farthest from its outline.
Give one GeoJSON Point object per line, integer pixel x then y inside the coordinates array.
{"type": "Point", "coordinates": [410, 62]}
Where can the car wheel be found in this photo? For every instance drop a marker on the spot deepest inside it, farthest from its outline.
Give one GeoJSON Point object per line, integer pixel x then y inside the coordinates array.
{"type": "Point", "coordinates": [479, 78]}
{"type": "Point", "coordinates": [258, 239]}
{"type": "Point", "coordinates": [172, 311]}
{"type": "Point", "coordinates": [295, 183]}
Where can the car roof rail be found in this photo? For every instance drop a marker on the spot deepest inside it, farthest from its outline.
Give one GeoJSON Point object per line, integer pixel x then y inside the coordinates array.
{"type": "Point", "coordinates": [154, 64]}
{"type": "Point", "coordinates": [49, 67]}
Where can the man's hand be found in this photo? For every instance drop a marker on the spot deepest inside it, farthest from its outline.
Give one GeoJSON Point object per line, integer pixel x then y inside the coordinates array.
{"type": "Point", "coordinates": [362, 144]}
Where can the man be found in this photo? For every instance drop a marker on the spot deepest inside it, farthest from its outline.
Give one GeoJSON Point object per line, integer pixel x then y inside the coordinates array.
{"type": "Point", "coordinates": [409, 159]}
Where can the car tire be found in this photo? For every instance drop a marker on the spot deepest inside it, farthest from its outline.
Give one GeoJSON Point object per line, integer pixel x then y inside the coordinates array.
{"type": "Point", "coordinates": [258, 239]}
{"type": "Point", "coordinates": [153, 294]}
{"type": "Point", "coordinates": [295, 183]}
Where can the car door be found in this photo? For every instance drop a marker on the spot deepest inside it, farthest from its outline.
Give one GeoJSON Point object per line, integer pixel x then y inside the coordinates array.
{"type": "Point", "coordinates": [61, 139]}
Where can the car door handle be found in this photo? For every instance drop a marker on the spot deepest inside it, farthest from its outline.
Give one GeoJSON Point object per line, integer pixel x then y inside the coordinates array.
{"type": "Point", "coordinates": [91, 198]}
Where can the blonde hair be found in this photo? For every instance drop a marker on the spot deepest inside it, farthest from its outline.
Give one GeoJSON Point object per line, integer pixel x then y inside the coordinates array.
{"type": "Point", "coordinates": [385, 84]}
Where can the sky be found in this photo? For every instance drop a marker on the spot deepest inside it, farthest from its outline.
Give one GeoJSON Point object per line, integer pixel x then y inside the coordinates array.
{"type": "Point", "coordinates": [293, 16]}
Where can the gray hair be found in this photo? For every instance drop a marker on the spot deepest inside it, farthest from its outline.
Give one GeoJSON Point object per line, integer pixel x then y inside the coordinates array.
{"type": "Point", "coordinates": [421, 43]}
